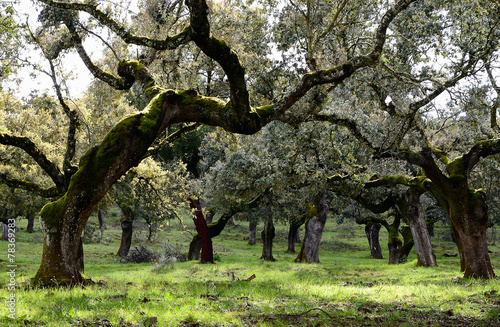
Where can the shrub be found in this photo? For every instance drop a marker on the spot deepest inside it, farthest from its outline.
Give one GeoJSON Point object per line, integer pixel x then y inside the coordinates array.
{"type": "Point", "coordinates": [139, 255]}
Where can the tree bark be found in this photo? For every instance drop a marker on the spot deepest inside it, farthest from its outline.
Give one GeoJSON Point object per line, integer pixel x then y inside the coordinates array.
{"type": "Point", "coordinates": [126, 222]}
{"type": "Point", "coordinates": [430, 228]}
{"type": "Point", "coordinates": [372, 231]}
{"type": "Point", "coordinates": [394, 242]}
{"type": "Point", "coordinates": [80, 259]}
{"type": "Point", "coordinates": [194, 248]}
{"type": "Point", "coordinates": [214, 229]}
{"type": "Point", "coordinates": [268, 235]}
{"type": "Point", "coordinates": [102, 221]}
{"type": "Point", "coordinates": [31, 222]}
{"type": "Point", "coordinates": [408, 243]}
{"type": "Point", "coordinates": [309, 252]}
{"type": "Point", "coordinates": [5, 232]}
{"type": "Point", "coordinates": [416, 220]}
{"type": "Point", "coordinates": [252, 233]}
{"type": "Point", "coordinates": [394, 251]}
{"type": "Point", "coordinates": [469, 223]}
{"type": "Point", "coordinates": [293, 232]}
{"type": "Point", "coordinates": [207, 252]}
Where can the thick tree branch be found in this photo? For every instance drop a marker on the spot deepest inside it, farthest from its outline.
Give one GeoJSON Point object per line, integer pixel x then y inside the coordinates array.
{"type": "Point", "coordinates": [481, 149]}
{"type": "Point", "coordinates": [104, 18]}
{"type": "Point", "coordinates": [219, 51]}
{"type": "Point", "coordinates": [29, 186]}
{"type": "Point", "coordinates": [31, 149]}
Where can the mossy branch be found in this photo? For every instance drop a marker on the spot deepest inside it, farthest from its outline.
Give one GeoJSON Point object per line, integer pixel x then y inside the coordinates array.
{"type": "Point", "coordinates": [480, 150]}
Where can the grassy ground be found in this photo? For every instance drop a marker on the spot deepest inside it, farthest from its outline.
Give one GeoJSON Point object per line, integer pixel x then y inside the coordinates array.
{"type": "Point", "coordinates": [346, 289]}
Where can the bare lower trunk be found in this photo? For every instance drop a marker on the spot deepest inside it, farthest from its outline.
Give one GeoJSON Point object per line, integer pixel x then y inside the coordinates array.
{"type": "Point", "coordinates": [207, 252]}
{"type": "Point", "coordinates": [395, 252]}
{"type": "Point", "coordinates": [469, 220]}
{"type": "Point", "coordinates": [292, 238]}
{"type": "Point", "coordinates": [194, 248]}
{"type": "Point", "coordinates": [408, 243]}
{"type": "Point", "coordinates": [268, 235]}
{"type": "Point", "coordinates": [102, 222]}
{"type": "Point", "coordinates": [252, 233]}
{"type": "Point", "coordinates": [214, 229]}
{"type": "Point", "coordinates": [61, 260]}
{"type": "Point", "coordinates": [372, 231]}
{"type": "Point", "coordinates": [5, 232]}
{"type": "Point", "coordinates": [309, 252]}
{"type": "Point", "coordinates": [127, 224]}
{"type": "Point", "coordinates": [31, 222]}
{"type": "Point", "coordinates": [416, 220]}
{"type": "Point", "coordinates": [80, 258]}
{"type": "Point", "coordinates": [430, 228]}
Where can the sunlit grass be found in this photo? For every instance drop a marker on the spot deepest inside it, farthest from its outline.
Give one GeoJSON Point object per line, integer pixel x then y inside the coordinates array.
{"type": "Point", "coordinates": [346, 288]}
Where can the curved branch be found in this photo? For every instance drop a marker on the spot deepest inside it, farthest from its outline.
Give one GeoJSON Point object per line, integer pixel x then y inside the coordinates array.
{"type": "Point", "coordinates": [219, 51]}
{"type": "Point", "coordinates": [103, 18]}
{"type": "Point", "coordinates": [351, 125]}
{"type": "Point", "coordinates": [481, 149]}
{"type": "Point", "coordinates": [338, 74]}
{"type": "Point", "coordinates": [29, 186]}
{"type": "Point", "coordinates": [31, 149]}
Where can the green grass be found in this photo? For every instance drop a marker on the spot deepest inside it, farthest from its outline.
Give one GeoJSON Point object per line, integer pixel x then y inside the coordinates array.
{"type": "Point", "coordinates": [346, 289]}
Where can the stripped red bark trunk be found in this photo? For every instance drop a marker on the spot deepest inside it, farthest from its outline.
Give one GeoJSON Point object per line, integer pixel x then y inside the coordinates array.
{"type": "Point", "coordinates": [207, 252]}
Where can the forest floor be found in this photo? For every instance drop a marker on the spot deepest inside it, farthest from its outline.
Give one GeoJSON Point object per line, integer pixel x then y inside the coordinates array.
{"type": "Point", "coordinates": [347, 288]}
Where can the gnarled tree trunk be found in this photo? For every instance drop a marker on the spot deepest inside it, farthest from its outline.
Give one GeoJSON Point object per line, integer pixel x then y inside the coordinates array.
{"type": "Point", "coordinates": [469, 220]}
{"type": "Point", "coordinates": [372, 231]}
{"type": "Point", "coordinates": [408, 243]}
{"type": "Point", "coordinates": [214, 229]}
{"type": "Point", "coordinates": [421, 238]}
{"type": "Point", "coordinates": [309, 252]}
{"type": "Point", "coordinates": [268, 234]}
{"type": "Point", "coordinates": [31, 222]}
{"type": "Point", "coordinates": [293, 232]}
{"type": "Point", "coordinates": [126, 222]}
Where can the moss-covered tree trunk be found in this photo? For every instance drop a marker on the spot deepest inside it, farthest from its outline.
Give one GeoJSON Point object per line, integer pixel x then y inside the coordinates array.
{"type": "Point", "coordinates": [63, 221]}
{"type": "Point", "coordinates": [466, 208]}
{"type": "Point", "coordinates": [394, 242]}
{"type": "Point", "coordinates": [126, 223]}
{"type": "Point", "coordinates": [372, 231]}
{"type": "Point", "coordinates": [309, 252]}
{"type": "Point", "coordinates": [268, 234]}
